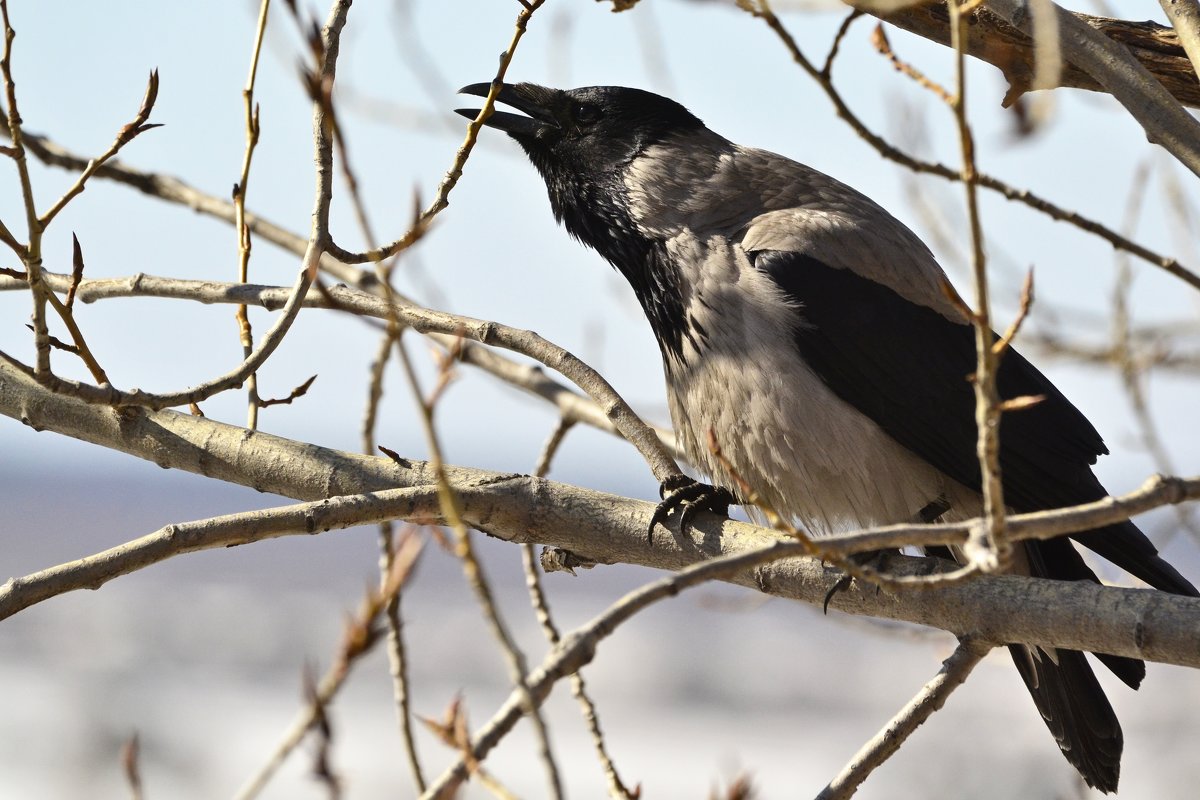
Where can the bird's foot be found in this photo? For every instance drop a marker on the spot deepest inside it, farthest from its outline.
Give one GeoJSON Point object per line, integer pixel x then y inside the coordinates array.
{"type": "Point", "coordinates": [873, 559]}
{"type": "Point", "coordinates": [689, 497]}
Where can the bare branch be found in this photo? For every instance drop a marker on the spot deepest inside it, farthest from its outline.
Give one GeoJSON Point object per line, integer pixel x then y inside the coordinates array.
{"type": "Point", "coordinates": [608, 529]}
{"type": "Point", "coordinates": [1006, 339]}
{"type": "Point", "coordinates": [1185, 19]}
{"type": "Point", "coordinates": [933, 695]}
{"type": "Point", "coordinates": [541, 608]}
{"type": "Point", "coordinates": [440, 200]}
{"type": "Point", "coordinates": [396, 648]}
{"type": "Point", "coordinates": [130, 752]}
{"type": "Point", "coordinates": [31, 254]}
{"type": "Point", "coordinates": [1165, 121]}
{"type": "Point", "coordinates": [298, 392]}
{"type": "Point", "coordinates": [451, 512]}
{"type": "Point", "coordinates": [124, 137]}
{"type": "Point", "coordinates": [992, 39]}
{"type": "Point", "coordinates": [761, 9]}
{"type": "Point", "coordinates": [360, 636]}
{"type": "Point", "coordinates": [988, 547]}
{"type": "Point", "coordinates": [655, 448]}
{"type": "Point", "coordinates": [880, 42]}
{"type": "Point", "coordinates": [245, 331]}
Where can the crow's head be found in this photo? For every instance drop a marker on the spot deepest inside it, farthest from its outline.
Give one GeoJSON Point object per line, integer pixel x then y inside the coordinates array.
{"type": "Point", "coordinates": [583, 142]}
{"type": "Point", "coordinates": [589, 133]}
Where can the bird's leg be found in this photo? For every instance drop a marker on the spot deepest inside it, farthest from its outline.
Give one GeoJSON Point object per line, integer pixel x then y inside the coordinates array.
{"type": "Point", "coordinates": [689, 497]}
{"type": "Point", "coordinates": [874, 559]}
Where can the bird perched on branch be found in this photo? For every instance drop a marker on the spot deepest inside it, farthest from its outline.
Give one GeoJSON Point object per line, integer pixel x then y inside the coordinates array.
{"type": "Point", "coordinates": [810, 331]}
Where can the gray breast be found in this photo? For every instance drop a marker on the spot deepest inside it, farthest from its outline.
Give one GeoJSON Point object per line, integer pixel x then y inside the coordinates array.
{"type": "Point", "coordinates": [807, 453]}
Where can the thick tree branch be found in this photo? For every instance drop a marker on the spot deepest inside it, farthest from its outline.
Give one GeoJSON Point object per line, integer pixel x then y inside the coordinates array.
{"type": "Point", "coordinates": [608, 529]}
{"type": "Point", "coordinates": [992, 39]}
{"type": "Point", "coordinates": [1165, 121]}
{"type": "Point", "coordinates": [1185, 19]}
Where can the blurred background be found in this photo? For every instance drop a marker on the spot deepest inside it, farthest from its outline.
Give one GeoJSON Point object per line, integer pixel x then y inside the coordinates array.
{"type": "Point", "coordinates": [202, 656]}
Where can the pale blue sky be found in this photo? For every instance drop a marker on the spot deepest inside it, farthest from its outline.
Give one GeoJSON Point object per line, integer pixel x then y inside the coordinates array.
{"type": "Point", "coordinates": [495, 253]}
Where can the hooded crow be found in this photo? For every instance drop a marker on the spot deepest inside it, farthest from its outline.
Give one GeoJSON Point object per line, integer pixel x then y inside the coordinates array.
{"type": "Point", "coordinates": [808, 329]}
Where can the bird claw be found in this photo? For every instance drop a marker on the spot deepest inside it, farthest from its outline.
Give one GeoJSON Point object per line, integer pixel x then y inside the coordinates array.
{"type": "Point", "coordinates": [932, 510]}
{"type": "Point", "coordinates": [689, 497]}
{"type": "Point", "coordinates": [874, 559]}
{"type": "Point", "coordinates": [843, 583]}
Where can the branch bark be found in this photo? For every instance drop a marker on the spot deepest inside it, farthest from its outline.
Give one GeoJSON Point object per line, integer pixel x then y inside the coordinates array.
{"type": "Point", "coordinates": [608, 529]}
{"type": "Point", "coordinates": [993, 39]}
{"type": "Point", "coordinates": [1165, 121]}
{"type": "Point", "coordinates": [607, 405]}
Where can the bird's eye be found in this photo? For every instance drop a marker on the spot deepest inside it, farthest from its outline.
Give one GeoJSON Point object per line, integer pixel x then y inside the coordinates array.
{"type": "Point", "coordinates": [585, 113]}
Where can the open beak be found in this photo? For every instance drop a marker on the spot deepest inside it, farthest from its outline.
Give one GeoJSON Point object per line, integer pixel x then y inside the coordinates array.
{"type": "Point", "coordinates": [532, 99]}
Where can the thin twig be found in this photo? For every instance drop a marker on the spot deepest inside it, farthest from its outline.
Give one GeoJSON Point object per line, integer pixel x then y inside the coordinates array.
{"type": "Point", "coordinates": [126, 135]}
{"type": "Point", "coordinates": [1164, 120]}
{"type": "Point", "coordinates": [31, 253]}
{"type": "Point", "coordinates": [398, 659]}
{"type": "Point", "coordinates": [1122, 348]}
{"type": "Point", "coordinates": [616, 788]}
{"type": "Point", "coordinates": [989, 549]}
{"type": "Point", "coordinates": [541, 608]}
{"type": "Point", "coordinates": [81, 347]}
{"type": "Point", "coordinates": [130, 752]}
{"type": "Point", "coordinates": [608, 411]}
{"type": "Point", "coordinates": [1014, 327]}
{"type": "Point", "coordinates": [295, 394]}
{"type": "Point", "coordinates": [836, 44]}
{"type": "Point", "coordinates": [245, 331]}
{"type": "Point", "coordinates": [762, 10]}
{"type": "Point", "coordinates": [359, 638]}
{"type": "Point", "coordinates": [880, 41]}
{"type": "Point", "coordinates": [396, 649]}
{"type": "Point", "coordinates": [1154, 356]}
{"type": "Point", "coordinates": [473, 570]}
{"type": "Point", "coordinates": [933, 695]}
{"type": "Point", "coordinates": [440, 199]}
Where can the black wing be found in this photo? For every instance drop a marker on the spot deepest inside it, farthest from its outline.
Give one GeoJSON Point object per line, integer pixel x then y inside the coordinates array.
{"type": "Point", "coordinates": [907, 367]}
